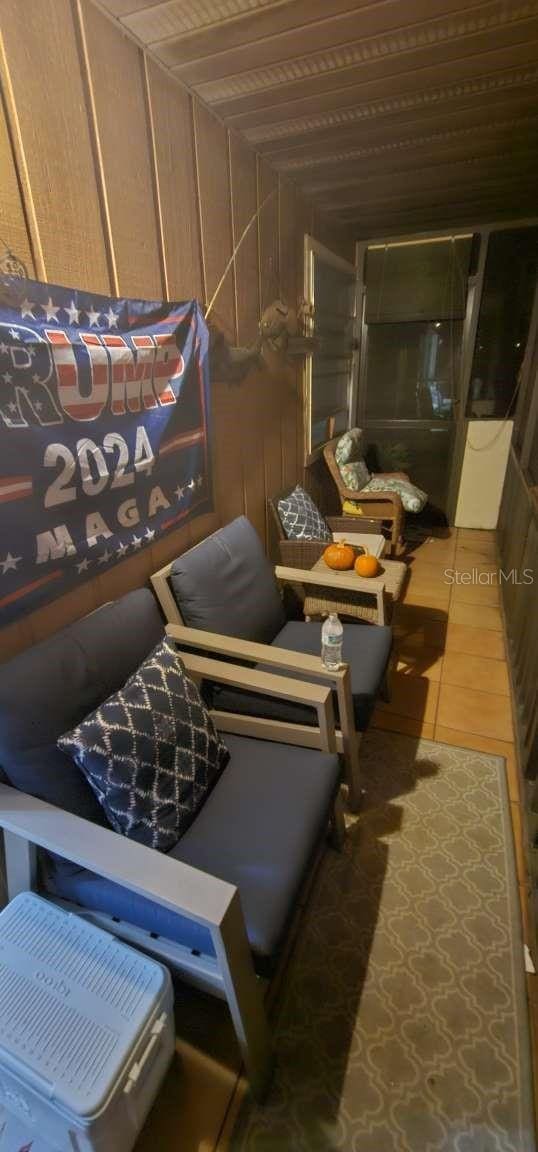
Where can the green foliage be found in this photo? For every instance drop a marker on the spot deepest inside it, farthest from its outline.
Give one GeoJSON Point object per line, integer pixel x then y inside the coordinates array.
{"type": "Point", "coordinates": [394, 457]}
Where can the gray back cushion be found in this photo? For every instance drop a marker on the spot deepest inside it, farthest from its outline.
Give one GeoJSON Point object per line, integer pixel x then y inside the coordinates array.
{"type": "Point", "coordinates": [226, 584]}
{"type": "Point", "coordinates": [48, 689]}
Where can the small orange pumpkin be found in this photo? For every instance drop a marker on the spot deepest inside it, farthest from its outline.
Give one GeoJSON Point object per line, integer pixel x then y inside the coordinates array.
{"type": "Point", "coordinates": [366, 565]}
{"type": "Point", "coordinates": [339, 555]}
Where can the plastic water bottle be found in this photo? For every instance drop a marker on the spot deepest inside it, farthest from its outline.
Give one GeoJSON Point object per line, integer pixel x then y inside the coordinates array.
{"type": "Point", "coordinates": [332, 639]}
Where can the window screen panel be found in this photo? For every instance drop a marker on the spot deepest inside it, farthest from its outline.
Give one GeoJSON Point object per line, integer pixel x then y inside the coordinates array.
{"type": "Point", "coordinates": [412, 370]}
{"type": "Point", "coordinates": [427, 280]}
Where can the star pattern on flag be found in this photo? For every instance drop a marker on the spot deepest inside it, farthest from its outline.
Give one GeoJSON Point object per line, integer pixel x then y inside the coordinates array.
{"type": "Point", "coordinates": [50, 309]}
{"type": "Point", "coordinates": [111, 318]}
{"type": "Point", "coordinates": [120, 552]}
{"type": "Point", "coordinates": [93, 317]}
{"type": "Point", "coordinates": [179, 492]}
{"type": "Point", "coordinates": [26, 308]}
{"type": "Point", "coordinates": [73, 313]}
{"type": "Point", "coordinates": [10, 563]}
{"type": "Point", "coordinates": [149, 533]}
{"type": "Point", "coordinates": [136, 542]}
{"type": "Point", "coordinates": [105, 557]}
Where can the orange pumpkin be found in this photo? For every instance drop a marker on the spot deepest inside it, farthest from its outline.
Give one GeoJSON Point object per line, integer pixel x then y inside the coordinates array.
{"type": "Point", "coordinates": [366, 565]}
{"type": "Point", "coordinates": [339, 555]}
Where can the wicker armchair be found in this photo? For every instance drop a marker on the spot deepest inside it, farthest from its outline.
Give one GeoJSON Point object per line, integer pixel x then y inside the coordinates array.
{"type": "Point", "coordinates": [385, 505]}
{"type": "Point", "coordinates": [305, 553]}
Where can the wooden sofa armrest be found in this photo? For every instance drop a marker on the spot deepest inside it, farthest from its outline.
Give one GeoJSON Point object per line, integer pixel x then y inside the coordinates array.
{"type": "Point", "coordinates": [251, 650]}
{"type": "Point", "coordinates": [30, 823]}
{"type": "Point", "coordinates": [284, 687]}
{"type": "Point", "coordinates": [168, 882]}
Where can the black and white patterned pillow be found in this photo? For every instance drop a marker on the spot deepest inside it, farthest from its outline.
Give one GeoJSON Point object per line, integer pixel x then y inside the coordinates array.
{"type": "Point", "coordinates": [300, 518]}
{"type": "Point", "coordinates": [150, 752]}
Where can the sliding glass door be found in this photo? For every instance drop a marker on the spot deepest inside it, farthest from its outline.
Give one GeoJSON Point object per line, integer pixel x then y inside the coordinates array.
{"type": "Point", "coordinates": [414, 329]}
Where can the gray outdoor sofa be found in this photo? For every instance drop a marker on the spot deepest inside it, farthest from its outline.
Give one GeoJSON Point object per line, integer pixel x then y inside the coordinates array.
{"type": "Point", "coordinates": [218, 907]}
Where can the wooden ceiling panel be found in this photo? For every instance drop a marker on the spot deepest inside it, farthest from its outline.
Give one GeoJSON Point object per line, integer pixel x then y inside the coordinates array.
{"type": "Point", "coordinates": [439, 215]}
{"type": "Point", "coordinates": [388, 113]}
{"type": "Point", "coordinates": [348, 34]}
{"type": "Point", "coordinates": [460, 188]}
{"type": "Point", "coordinates": [225, 40]}
{"type": "Point", "coordinates": [509, 90]}
{"type": "Point", "coordinates": [177, 20]}
{"type": "Point", "coordinates": [420, 146]}
{"type": "Point", "coordinates": [404, 128]}
{"type": "Point", "coordinates": [492, 50]}
{"type": "Point", "coordinates": [444, 162]}
{"type": "Point", "coordinates": [463, 173]}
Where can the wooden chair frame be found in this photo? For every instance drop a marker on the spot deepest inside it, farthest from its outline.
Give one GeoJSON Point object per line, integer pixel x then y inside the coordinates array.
{"type": "Point", "coordinates": [381, 505]}
{"type": "Point", "coordinates": [347, 737]}
{"type": "Point", "coordinates": [29, 824]}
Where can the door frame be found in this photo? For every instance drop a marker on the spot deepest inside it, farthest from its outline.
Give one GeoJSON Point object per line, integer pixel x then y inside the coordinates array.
{"type": "Point", "coordinates": [312, 248]}
{"type": "Point", "coordinates": [457, 425]}
{"type": "Point", "coordinates": [475, 284]}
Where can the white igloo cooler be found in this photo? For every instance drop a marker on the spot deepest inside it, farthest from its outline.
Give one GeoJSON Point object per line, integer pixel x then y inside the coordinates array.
{"type": "Point", "coordinates": [86, 1032]}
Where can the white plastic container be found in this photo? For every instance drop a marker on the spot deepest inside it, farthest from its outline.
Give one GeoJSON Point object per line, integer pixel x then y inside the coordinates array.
{"type": "Point", "coordinates": [86, 1032]}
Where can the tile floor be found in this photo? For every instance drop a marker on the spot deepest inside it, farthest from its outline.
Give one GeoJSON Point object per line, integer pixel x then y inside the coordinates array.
{"type": "Point", "coordinates": [451, 684]}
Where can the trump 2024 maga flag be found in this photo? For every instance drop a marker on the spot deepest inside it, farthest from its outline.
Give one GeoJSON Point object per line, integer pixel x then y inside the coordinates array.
{"type": "Point", "coordinates": [103, 433]}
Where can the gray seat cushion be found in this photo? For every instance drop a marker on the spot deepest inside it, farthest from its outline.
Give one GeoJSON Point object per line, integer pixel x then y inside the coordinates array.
{"type": "Point", "coordinates": [48, 689]}
{"type": "Point", "coordinates": [226, 584]}
{"type": "Point", "coordinates": [366, 649]}
{"type": "Point", "coordinates": [259, 829]}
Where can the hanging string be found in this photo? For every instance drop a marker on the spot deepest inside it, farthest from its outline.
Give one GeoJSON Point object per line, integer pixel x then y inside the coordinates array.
{"type": "Point", "coordinates": [10, 265]}
{"type": "Point", "coordinates": [236, 249]}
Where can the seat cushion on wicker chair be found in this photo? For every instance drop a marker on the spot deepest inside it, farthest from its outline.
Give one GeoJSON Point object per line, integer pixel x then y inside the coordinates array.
{"type": "Point", "coordinates": [366, 650]}
{"type": "Point", "coordinates": [358, 605]}
{"type": "Point", "coordinates": [301, 519]}
{"type": "Point", "coordinates": [413, 498]}
{"type": "Point", "coordinates": [259, 830]}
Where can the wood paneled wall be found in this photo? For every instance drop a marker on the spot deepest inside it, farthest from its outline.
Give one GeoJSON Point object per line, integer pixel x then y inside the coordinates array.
{"type": "Point", "coordinates": [115, 180]}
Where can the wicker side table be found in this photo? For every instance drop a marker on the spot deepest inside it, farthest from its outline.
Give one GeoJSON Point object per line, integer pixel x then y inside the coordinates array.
{"type": "Point", "coordinates": [355, 605]}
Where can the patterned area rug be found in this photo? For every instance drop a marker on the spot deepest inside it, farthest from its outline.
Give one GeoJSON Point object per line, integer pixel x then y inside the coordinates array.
{"type": "Point", "coordinates": [402, 1026]}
